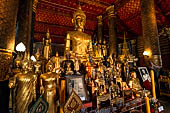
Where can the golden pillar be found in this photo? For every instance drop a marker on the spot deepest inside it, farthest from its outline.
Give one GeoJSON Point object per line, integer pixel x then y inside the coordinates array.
{"type": "Point", "coordinates": [8, 11]}
{"type": "Point", "coordinates": [150, 33]}
{"type": "Point", "coordinates": [112, 32]}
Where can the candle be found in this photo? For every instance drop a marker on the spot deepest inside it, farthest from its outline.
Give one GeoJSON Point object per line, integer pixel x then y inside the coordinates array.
{"type": "Point", "coordinates": [147, 105]}
{"type": "Point", "coordinates": [62, 94]}
{"type": "Point", "coordinates": [153, 84]}
{"type": "Point", "coordinates": [62, 91]}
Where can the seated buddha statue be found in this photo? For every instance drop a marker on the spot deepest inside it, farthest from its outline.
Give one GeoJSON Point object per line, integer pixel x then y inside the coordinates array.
{"type": "Point", "coordinates": [134, 82]}
{"type": "Point", "coordinates": [67, 65]}
{"type": "Point", "coordinates": [47, 46]}
{"type": "Point", "coordinates": [77, 41]}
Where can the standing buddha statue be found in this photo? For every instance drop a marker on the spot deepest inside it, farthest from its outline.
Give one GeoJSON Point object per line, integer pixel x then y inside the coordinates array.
{"type": "Point", "coordinates": [48, 83]}
{"type": "Point", "coordinates": [47, 46]}
{"type": "Point", "coordinates": [76, 64]}
{"type": "Point", "coordinates": [81, 42]}
{"type": "Point", "coordinates": [38, 63]}
{"type": "Point", "coordinates": [104, 48]}
{"type": "Point", "coordinates": [56, 60]}
{"type": "Point", "coordinates": [25, 88]}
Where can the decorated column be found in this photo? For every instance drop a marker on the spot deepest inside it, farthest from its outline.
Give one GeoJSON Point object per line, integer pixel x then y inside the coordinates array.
{"type": "Point", "coordinates": [8, 11]}
{"type": "Point", "coordinates": [112, 32]}
{"type": "Point", "coordinates": [24, 23]}
{"type": "Point", "coordinates": [100, 34]}
{"type": "Point", "coordinates": [150, 33]}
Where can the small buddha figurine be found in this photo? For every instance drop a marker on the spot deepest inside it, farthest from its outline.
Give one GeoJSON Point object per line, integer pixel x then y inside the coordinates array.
{"type": "Point", "coordinates": [17, 65]}
{"type": "Point", "coordinates": [134, 82]}
{"type": "Point", "coordinates": [81, 42]}
{"type": "Point", "coordinates": [48, 83]}
{"type": "Point", "coordinates": [25, 88]}
{"type": "Point", "coordinates": [47, 46]}
{"type": "Point", "coordinates": [38, 63]}
{"type": "Point", "coordinates": [95, 50]}
{"type": "Point", "coordinates": [104, 48]}
{"type": "Point", "coordinates": [68, 65]}
{"type": "Point", "coordinates": [76, 64]}
{"type": "Point", "coordinates": [56, 60]}
{"type": "Point", "coordinates": [113, 90]}
{"type": "Point", "coordinates": [110, 60]}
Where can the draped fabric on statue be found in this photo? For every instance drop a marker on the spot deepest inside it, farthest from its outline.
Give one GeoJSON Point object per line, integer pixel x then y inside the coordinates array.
{"type": "Point", "coordinates": [24, 89]}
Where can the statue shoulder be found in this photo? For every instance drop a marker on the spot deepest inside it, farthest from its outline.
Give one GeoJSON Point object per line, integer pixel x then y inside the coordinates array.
{"type": "Point", "coordinates": [71, 33]}
{"type": "Point", "coordinates": [87, 35]}
{"type": "Point", "coordinates": [23, 77]}
{"type": "Point", "coordinates": [48, 76]}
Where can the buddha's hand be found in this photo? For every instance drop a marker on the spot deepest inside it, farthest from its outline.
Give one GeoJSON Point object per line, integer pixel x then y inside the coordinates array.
{"type": "Point", "coordinates": [11, 83]}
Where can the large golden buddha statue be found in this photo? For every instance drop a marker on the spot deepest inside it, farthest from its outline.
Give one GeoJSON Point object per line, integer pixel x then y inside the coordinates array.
{"type": "Point", "coordinates": [81, 42]}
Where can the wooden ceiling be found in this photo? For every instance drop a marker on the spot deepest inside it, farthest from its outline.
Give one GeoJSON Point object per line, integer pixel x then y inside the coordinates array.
{"type": "Point", "coordinates": [57, 15]}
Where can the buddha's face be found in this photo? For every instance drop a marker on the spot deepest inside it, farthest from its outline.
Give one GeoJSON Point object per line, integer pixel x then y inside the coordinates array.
{"type": "Point", "coordinates": [50, 68]}
{"type": "Point", "coordinates": [133, 74]}
{"type": "Point", "coordinates": [79, 22]}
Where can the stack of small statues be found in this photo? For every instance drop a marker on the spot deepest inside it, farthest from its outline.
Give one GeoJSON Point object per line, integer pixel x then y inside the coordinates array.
{"type": "Point", "coordinates": [102, 77]}
{"type": "Point", "coordinates": [40, 77]}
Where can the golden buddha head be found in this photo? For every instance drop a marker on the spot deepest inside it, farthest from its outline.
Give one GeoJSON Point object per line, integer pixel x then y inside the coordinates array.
{"type": "Point", "coordinates": [50, 66]}
{"type": "Point", "coordinates": [37, 54]}
{"type": "Point", "coordinates": [133, 74]}
{"type": "Point", "coordinates": [25, 65]}
{"type": "Point", "coordinates": [79, 19]}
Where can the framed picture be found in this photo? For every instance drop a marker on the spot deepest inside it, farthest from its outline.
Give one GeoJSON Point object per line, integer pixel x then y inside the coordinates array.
{"type": "Point", "coordinates": [144, 74]}
{"type": "Point", "coordinates": [77, 82]}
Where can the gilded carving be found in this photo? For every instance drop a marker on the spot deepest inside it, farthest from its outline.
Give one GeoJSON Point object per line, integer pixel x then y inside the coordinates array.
{"type": "Point", "coordinates": [73, 104]}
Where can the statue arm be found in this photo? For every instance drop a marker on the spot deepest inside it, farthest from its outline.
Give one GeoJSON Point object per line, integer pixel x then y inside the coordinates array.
{"type": "Point", "coordinates": [12, 82]}
{"type": "Point", "coordinates": [41, 85]}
